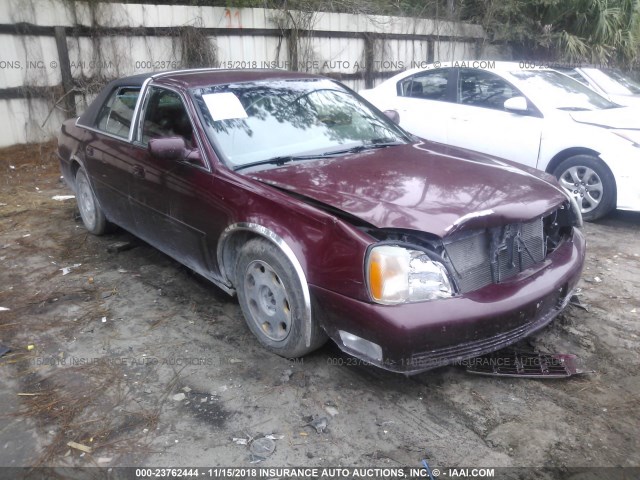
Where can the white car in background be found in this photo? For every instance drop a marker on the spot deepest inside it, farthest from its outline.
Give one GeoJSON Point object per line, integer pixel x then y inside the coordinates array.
{"type": "Point", "coordinates": [540, 118]}
{"type": "Point", "coordinates": [611, 84]}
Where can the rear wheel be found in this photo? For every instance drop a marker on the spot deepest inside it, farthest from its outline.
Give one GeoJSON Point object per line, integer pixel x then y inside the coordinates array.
{"type": "Point", "coordinates": [590, 182]}
{"type": "Point", "coordinates": [92, 216]}
{"type": "Point", "coordinates": [272, 300]}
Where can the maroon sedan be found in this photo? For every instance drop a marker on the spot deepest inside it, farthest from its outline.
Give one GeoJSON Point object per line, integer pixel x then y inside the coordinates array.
{"type": "Point", "coordinates": [324, 217]}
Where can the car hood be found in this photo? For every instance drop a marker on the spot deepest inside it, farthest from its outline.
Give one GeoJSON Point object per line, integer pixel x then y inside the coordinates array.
{"type": "Point", "coordinates": [620, 118]}
{"type": "Point", "coordinates": [423, 186]}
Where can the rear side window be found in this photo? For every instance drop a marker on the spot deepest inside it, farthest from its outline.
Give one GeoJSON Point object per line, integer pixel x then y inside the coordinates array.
{"type": "Point", "coordinates": [484, 89]}
{"type": "Point", "coordinates": [116, 114]}
{"type": "Point", "coordinates": [429, 86]}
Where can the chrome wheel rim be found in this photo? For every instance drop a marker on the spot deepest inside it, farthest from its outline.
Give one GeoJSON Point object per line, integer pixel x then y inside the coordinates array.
{"type": "Point", "coordinates": [86, 202]}
{"type": "Point", "coordinates": [268, 301]}
{"type": "Point", "coordinates": [585, 185]}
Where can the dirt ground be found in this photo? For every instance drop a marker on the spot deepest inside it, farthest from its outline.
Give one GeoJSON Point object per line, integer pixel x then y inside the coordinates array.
{"type": "Point", "coordinates": [147, 364]}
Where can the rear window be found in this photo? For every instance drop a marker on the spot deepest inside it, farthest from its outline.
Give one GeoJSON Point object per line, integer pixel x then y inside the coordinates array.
{"type": "Point", "coordinates": [116, 114]}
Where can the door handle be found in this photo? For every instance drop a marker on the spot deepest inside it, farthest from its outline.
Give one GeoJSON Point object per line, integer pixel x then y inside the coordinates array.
{"type": "Point", "coordinates": [89, 151]}
{"type": "Point", "coordinates": [138, 171]}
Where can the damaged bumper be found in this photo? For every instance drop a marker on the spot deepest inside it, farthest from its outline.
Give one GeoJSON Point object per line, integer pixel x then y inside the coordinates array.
{"type": "Point", "coordinates": [413, 338]}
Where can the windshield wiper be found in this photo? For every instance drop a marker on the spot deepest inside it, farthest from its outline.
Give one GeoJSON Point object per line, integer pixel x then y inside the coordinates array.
{"type": "Point", "coordinates": [375, 143]}
{"type": "Point", "coordinates": [280, 160]}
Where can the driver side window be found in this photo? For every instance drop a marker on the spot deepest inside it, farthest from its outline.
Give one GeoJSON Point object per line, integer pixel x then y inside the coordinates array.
{"type": "Point", "coordinates": [480, 88]}
{"type": "Point", "coordinates": [166, 116]}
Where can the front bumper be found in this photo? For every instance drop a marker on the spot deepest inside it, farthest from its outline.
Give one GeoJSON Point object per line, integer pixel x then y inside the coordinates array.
{"type": "Point", "coordinates": [420, 336]}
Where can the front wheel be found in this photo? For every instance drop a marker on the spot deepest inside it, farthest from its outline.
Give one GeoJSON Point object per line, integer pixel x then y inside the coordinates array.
{"type": "Point", "coordinates": [92, 216]}
{"type": "Point", "coordinates": [272, 300]}
{"type": "Point", "coordinates": [590, 182]}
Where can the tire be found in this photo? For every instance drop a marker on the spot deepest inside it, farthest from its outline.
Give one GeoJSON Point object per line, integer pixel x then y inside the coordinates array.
{"type": "Point", "coordinates": [590, 182]}
{"type": "Point", "coordinates": [92, 216]}
{"type": "Point", "coordinates": [272, 300]}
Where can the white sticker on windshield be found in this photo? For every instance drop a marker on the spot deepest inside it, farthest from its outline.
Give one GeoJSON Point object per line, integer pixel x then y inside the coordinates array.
{"type": "Point", "coordinates": [224, 106]}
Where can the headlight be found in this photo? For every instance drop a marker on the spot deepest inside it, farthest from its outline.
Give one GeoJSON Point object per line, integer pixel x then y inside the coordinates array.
{"type": "Point", "coordinates": [400, 275]}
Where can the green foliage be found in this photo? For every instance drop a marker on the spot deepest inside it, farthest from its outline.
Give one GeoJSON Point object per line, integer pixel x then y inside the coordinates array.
{"type": "Point", "coordinates": [593, 31]}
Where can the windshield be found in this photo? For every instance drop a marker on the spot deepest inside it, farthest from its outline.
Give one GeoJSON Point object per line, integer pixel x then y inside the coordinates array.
{"type": "Point", "coordinates": [256, 121]}
{"type": "Point", "coordinates": [613, 82]}
{"type": "Point", "coordinates": [559, 91]}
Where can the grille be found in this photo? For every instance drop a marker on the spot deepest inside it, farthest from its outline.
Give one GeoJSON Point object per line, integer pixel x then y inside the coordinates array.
{"type": "Point", "coordinates": [512, 363]}
{"type": "Point", "coordinates": [495, 255]}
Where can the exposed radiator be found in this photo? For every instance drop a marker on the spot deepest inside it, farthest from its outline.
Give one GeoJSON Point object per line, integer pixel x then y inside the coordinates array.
{"type": "Point", "coordinates": [490, 256]}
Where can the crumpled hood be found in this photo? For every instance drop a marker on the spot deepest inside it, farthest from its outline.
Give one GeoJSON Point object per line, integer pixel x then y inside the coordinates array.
{"type": "Point", "coordinates": [620, 118]}
{"type": "Point", "coordinates": [424, 186]}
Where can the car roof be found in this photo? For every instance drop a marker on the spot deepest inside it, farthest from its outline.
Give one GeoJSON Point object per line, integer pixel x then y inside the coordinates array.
{"type": "Point", "coordinates": [185, 79]}
{"type": "Point", "coordinates": [206, 77]}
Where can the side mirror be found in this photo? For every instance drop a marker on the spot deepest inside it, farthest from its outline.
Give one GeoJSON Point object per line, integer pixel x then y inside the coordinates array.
{"type": "Point", "coordinates": [168, 148]}
{"type": "Point", "coordinates": [516, 105]}
{"type": "Point", "coordinates": [393, 115]}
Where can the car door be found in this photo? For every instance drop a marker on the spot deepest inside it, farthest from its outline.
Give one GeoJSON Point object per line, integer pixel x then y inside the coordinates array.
{"type": "Point", "coordinates": [422, 101]}
{"type": "Point", "coordinates": [166, 194]}
{"type": "Point", "coordinates": [479, 121]}
{"type": "Point", "coordinates": [107, 155]}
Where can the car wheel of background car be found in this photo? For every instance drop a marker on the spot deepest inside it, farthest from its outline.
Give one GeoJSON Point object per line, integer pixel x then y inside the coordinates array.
{"type": "Point", "coordinates": [92, 216]}
{"type": "Point", "coordinates": [590, 182]}
{"type": "Point", "coordinates": [272, 300]}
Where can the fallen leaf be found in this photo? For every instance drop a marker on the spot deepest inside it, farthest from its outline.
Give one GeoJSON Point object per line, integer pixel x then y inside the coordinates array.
{"type": "Point", "coordinates": [79, 446]}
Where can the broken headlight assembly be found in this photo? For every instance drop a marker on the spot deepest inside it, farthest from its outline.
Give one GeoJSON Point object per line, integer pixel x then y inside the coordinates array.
{"type": "Point", "coordinates": [397, 274]}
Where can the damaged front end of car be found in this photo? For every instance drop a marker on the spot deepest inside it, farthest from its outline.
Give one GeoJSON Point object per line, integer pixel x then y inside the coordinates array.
{"type": "Point", "coordinates": [437, 301]}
